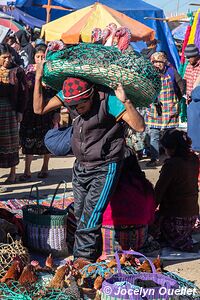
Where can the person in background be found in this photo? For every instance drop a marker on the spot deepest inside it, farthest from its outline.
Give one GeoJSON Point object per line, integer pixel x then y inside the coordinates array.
{"type": "Point", "coordinates": [163, 112]}
{"type": "Point", "coordinates": [192, 71]}
{"type": "Point", "coordinates": [34, 127]}
{"type": "Point", "coordinates": [24, 40]}
{"type": "Point", "coordinates": [177, 191]}
{"type": "Point", "coordinates": [151, 48]}
{"type": "Point", "coordinates": [13, 97]}
{"type": "Point", "coordinates": [11, 42]}
{"type": "Point", "coordinates": [193, 119]}
{"type": "Point", "coordinates": [24, 60]}
{"type": "Point", "coordinates": [98, 145]}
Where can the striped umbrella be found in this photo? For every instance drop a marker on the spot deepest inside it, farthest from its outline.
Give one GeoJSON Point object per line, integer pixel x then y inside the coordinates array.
{"type": "Point", "coordinates": [12, 25]}
{"type": "Point", "coordinates": [78, 26]}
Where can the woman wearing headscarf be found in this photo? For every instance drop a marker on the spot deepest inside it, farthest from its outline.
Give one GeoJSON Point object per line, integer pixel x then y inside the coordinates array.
{"type": "Point", "coordinates": [177, 192]}
{"type": "Point", "coordinates": [25, 44]}
{"type": "Point", "coordinates": [163, 113]}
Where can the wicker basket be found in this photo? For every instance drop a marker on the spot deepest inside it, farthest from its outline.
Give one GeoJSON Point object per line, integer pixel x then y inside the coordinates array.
{"type": "Point", "coordinates": [46, 227]}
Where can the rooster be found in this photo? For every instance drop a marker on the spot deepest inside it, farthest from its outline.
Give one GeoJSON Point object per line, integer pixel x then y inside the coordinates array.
{"type": "Point", "coordinates": [158, 264]}
{"type": "Point", "coordinates": [98, 282]}
{"type": "Point", "coordinates": [80, 262]}
{"type": "Point", "coordinates": [14, 271]}
{"type": "Point", "coordinates": [108, 34]}
{"type": "Point", "coordinates": [28, 275]}
{"type": "Point", "coordinates": [54, 46]}
{"type": "Point", "coordinates": [58, 281]}
{"type": "Point", "coordinates": [49, 263]}
{"type": "Point", "coordinates": [144, 267]}
{"type": "Point", "coordinates": [36, 265]}
{"type": "Point", "coordinates": [123, 35]}
{"type": "Point", "coordinates": [96, 36]}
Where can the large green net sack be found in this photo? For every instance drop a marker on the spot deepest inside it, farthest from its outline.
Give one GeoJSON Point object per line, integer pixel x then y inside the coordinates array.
{"type": "Point", "coordinates": [106, 66]}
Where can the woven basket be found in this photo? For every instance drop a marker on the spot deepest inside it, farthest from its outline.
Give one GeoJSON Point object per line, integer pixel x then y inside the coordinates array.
{"type": "Point", "coordinates": [46, 227]}
{"type": "Point", "coordinates": [106, 66]}
{"type": "Point", "coordinates": [10, 250]}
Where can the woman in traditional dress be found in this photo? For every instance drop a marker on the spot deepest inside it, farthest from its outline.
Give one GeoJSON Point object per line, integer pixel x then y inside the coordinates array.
{"type": "Point", "coordinates": [177, 191]}
{"type": "Point", "coordinates": [12, 103]}
{"type": "Point", "coordinates": [34, 127]}
{"type": "Point", "coordinates": [163, 113]}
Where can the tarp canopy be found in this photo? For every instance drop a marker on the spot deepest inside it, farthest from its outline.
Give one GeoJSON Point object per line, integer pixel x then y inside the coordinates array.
{"type": "Point", "coordinates": [78, 25]}
{"type": "Point", "coordinates": [136, 9]}
{"type": "Point", "coordinates": [179, 32]}
{"type": "Point", "coordinates": [27, 19]}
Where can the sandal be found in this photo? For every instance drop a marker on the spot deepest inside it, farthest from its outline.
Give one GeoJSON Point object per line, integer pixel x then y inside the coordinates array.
{"type": "Point", "coordinates": [42, 174]}
{"type": "Point", "coordinates": [24, 178]}
{"type": "Point", "coordinates": [3, 189]}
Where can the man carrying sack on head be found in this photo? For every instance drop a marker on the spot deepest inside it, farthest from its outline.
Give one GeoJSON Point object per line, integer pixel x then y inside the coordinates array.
{"type": "Point", "coordinates": [98, 145]}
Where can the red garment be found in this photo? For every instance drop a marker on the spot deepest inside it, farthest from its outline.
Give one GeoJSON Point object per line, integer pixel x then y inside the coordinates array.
{"type": "Point", "coordinates": [132, 203]}
{"type": "Point", "coordinates": [187, 35]}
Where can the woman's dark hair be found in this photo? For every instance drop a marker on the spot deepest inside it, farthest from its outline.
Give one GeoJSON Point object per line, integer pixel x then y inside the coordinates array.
{"type": "Point", "coordinates": [4, 48]}
{"type": "Point", "coordinates": [130, 167]}
{"type": "Point", "coordinates": [40, 48]}
{"type": "Point", "coordinates": [177, 140]}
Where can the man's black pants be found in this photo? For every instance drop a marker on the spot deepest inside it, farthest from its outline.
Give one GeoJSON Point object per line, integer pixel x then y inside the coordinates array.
{"type": "Point", "coordinates": [92, 191]}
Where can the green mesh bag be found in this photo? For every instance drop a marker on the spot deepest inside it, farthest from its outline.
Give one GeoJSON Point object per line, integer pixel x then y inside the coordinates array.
{"type": "Point", "coordinates": [14, 291]}
{"type": "Point", "coordinates": [106, 66]}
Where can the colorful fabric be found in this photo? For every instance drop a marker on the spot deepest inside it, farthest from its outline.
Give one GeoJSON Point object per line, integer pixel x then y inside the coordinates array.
{"type": "Point", "coordinates": [9, 138]}
{"type": "Point", "coordinates": [197, 34]}
{"type": "Point", "coordinates": [178, 231]}
{"type": "Point", "coordinates": [123, 237]}
{"type": "Point", "coordinates": [30, 75]}
{"type": "Point", "coordinates": [114, 106]}
{"type": "Point", "coordinates": [168, 100]}
{"type": "Point", "coordinates": [138, 141]}
{"type": "Point", "coordinates": [187, 34]}
{"type": "Point", "coordinates": [193, 30]}
{"type": "Point", "coordinates": [191, 74]}
{"type": "Point", "coordinates": [8, 76]}
{"type": "Point", "coordinates": [138, 200]}
{"type": "Point", "coordinates": [76, 90]}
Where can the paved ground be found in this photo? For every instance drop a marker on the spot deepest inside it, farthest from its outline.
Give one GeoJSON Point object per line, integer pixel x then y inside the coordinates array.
{"type": "Point", "coordinates": [60, 168]}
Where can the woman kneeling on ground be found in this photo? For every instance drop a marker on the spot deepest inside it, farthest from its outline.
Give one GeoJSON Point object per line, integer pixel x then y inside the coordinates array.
{"type": "Point", "coordinates": [177, 191]}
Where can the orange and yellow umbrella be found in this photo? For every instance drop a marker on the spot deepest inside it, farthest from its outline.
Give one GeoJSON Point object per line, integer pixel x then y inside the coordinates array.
{"type": "Point", "coordinates": [78, 26]}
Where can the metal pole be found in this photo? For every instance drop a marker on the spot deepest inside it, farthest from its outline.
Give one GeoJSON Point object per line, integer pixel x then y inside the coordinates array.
{"type": "Point", "coordinates": [177, 7]}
